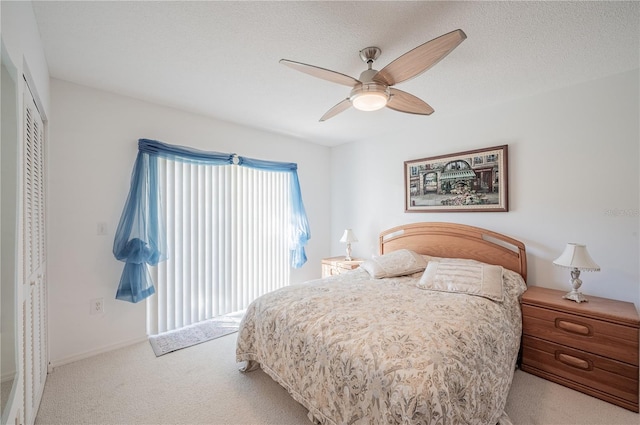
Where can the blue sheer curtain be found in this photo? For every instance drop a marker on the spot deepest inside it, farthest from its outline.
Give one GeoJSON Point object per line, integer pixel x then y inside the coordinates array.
{"type": "Point", "coordinates": [140, 239]}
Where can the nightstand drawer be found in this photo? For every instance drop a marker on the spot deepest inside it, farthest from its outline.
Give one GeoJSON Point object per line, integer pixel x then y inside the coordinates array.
{"type": "Point", "coordinates": [586, 372]}
{"type": "Point", "coordinates": [583, 333]}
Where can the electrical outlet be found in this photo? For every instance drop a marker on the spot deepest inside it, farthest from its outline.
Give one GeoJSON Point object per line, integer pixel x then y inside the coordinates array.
{"type": "Point", "coordinates": [96, 306]}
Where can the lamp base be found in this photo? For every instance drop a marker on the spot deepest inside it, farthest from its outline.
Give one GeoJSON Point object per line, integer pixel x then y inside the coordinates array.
{"type": "Point", "coordinates": [575, 296]}
{"type": "Point", "coordinates": [348, 257]}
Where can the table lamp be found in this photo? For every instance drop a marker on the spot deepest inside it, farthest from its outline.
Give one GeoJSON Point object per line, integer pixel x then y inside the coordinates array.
{"type": "Point", "coordinates": [577, 258]}
{"type": "Point", "coordinates": [347, 237]}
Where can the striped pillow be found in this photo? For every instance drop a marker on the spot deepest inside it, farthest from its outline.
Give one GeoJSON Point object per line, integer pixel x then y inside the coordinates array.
{"type": "Point", "coordinates": [463, 276]}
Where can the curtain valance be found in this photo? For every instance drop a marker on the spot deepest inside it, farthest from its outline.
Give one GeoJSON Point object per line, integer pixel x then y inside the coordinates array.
{"type": "Point", "coordinates": [140, 239]}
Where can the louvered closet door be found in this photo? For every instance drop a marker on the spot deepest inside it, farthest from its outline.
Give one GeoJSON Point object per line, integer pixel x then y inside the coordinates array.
{"type": "Point", "coordinates": [34, 311]}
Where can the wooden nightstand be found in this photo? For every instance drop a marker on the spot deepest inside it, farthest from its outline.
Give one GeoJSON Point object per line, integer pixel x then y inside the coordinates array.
{"type": "Point", "coordinates": [335, 265]}
{"type": "Point", "coordinates": [591, 347]}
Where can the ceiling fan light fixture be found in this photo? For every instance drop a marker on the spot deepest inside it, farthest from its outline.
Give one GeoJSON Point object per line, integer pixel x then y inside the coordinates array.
{"type": "Point", "coordinates": [369, 96]}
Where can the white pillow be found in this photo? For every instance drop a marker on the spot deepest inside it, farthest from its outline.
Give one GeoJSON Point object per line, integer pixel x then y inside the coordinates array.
{"type": "Point", "coordinates": [397, 263]}
{"type": "Point", "coordinates": [463, 276]}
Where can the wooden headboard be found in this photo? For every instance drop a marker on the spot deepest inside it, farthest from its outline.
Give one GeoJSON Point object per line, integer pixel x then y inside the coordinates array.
{"type": "Point", "coordinates": [452, 240]}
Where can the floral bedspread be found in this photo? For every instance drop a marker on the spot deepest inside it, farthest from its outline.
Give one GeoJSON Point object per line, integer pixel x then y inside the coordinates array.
{"type": "Point", "coordinates": [357, 350]}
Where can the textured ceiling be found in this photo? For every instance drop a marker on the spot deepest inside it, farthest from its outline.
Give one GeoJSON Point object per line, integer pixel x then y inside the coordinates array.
{"type": "Point", "coordinates": [220, 59]}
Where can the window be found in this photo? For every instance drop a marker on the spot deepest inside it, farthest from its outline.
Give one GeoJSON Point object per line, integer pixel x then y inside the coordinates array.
{"type": "Point", "coordinates": [229, 228]}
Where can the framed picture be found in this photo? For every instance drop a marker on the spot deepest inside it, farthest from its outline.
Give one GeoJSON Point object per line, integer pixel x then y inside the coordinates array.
{"type": "Point", "coordinates": [464, 181]}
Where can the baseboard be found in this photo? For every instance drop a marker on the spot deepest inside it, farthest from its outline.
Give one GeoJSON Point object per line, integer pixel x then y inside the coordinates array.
{"type": "Point", "coordinates": [61, 362]}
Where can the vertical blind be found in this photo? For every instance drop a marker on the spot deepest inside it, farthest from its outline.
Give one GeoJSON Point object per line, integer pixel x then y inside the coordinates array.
{"type": "Point", "coordinates": [227, 244]}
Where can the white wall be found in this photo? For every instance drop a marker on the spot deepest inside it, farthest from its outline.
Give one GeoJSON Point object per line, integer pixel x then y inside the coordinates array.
{"type": "Point", "coordinates": [93, 144]}
{"type": "Point", "coordinates": [573, 177]}
{"type": "Point", "coordinates": [21, 38]}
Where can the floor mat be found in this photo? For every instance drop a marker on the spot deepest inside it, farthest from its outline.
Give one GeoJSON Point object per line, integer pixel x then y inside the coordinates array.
{"type": "Point", "coordinates": [197, 333]}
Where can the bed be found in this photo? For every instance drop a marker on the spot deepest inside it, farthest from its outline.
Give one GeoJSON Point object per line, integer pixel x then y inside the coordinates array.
{"type": "Point", "coordinates": [428, 332]}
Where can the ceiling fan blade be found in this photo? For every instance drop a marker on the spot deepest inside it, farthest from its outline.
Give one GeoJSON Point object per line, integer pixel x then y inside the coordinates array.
{"type": "Point", "coordinates": [404, 102]}
{"type": "Point", "coordinates": [318, 72]}
{"type": "Point", "coordinates": [420, 59]}
{"type": "Point", "coordinates": [340, 107]}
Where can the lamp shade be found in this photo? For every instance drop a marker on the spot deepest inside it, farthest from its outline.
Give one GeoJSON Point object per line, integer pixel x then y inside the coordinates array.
{"type": "Point", "coordinates": [576, 256]}
{"type": "Point", "coordinates": [348, 236]}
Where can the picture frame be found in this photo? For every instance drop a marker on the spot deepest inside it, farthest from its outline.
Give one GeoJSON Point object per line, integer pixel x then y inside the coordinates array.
{"type": "Point", "coordinates": [470, 181]}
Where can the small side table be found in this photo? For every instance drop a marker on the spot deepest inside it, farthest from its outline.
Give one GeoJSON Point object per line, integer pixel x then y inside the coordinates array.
{"type": "Point", "coordinates": [336, 265]}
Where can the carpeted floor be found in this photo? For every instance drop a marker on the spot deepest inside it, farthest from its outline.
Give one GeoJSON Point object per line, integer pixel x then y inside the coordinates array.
{"type": "Point", "coordinates": [202, 385]}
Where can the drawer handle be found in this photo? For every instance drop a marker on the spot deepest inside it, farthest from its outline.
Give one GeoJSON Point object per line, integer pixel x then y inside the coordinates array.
{"type": "Point", "coordinates": [573, 361]}
{"type": "Point", "coordinates": [575, 328]}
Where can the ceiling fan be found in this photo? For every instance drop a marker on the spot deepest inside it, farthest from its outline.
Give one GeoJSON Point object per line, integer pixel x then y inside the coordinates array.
{"type": "Point", "coordinates": [374, 90]}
